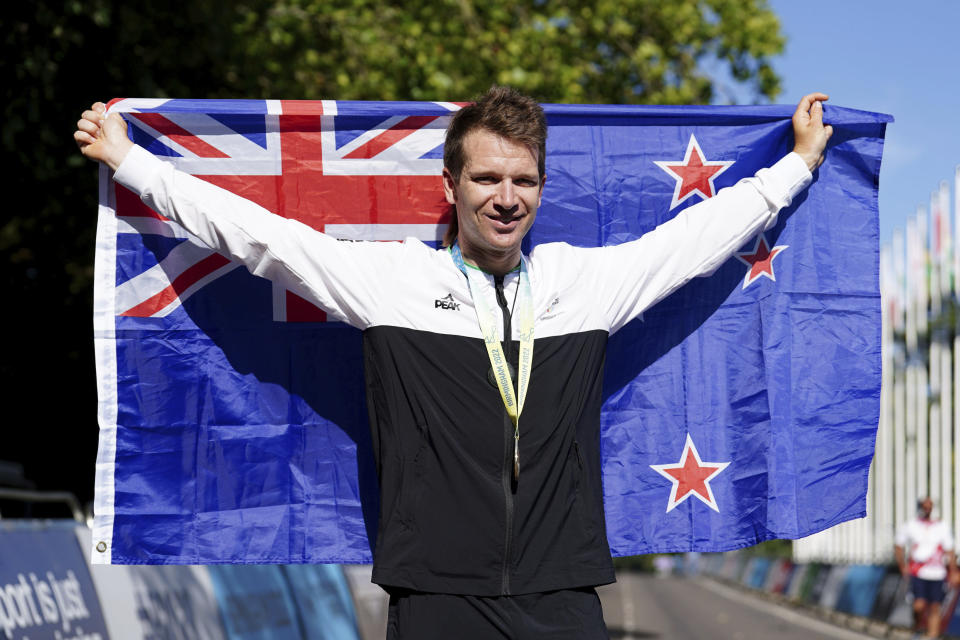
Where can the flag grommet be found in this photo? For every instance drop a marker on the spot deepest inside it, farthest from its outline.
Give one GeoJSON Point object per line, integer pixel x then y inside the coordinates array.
{"type": "Point", "coordinates": [101, 546]}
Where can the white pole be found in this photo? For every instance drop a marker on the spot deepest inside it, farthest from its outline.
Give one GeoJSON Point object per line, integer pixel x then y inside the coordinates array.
{"type": "Point", "coordinates": [936, 347]}
{"type": "Point", "coordinates": [904, 317]}
{"type": "Point", "coordinates": [946, 241]}
{"type": "Point", "coordinates": [922, 448]}
{"type": "Point", "coordinates": [934, 239]}
{"type": "Point", "coordinates": [882, 470]}
{"type": "Point", "coordinates": [955, 286]}
{"type": "Point", "coordinates": [944, 448]}
{"type": "Point", "coordinates": [956, 361]}
{"type": "Point", "coordinates": [914, 267]}
{"type": "Point", "coordinates": [929, 452]}
{"type": "Point", "coordinates": [921, 398]}
{"type": "Point", "coordinates": [862, 537]}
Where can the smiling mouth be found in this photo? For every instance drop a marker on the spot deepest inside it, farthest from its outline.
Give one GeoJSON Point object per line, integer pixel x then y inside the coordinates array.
{"type": "Point", "coordinates": [505, 219]}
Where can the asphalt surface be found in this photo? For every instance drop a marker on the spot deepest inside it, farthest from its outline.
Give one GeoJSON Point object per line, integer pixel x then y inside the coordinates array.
{"type": "Point", "coordinates": [642, 606]}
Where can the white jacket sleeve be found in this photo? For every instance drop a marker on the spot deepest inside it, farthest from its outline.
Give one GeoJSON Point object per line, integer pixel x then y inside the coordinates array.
{"type": "Point", "coordinates": [340, 277]}
{"type": "Point", "coordinates": [636, 275]}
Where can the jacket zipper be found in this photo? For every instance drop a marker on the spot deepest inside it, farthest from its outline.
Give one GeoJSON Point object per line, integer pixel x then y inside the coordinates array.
{"type": "Point", "coordinates": [506, 474]}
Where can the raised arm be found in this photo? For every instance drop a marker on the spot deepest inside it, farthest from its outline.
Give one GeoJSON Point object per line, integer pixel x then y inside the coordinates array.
{"type": "Point", "coordinates": [340, 277]}
{"type": "Point", "coordinates": [701, 238]}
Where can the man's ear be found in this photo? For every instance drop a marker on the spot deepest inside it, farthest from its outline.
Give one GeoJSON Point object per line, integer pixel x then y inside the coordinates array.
{"type": "Point", "coordinates": [449, 186]}
{"type": "Point", "coordinates": [543, 181]}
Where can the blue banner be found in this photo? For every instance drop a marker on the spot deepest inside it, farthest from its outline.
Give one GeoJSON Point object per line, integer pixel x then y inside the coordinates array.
{"type": "Point", "coordinates": [323, 600]}
{"type": "Point", "coordinates": [255, 602]}
{"type": "Point", "coordinates": [45, 586]}
{"type": "Point", "coordinates": [860, 587]}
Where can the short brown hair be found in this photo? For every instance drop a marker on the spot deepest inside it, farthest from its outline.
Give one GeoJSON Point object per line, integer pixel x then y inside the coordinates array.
{"type": "Point", "coordinates": [505, 112]}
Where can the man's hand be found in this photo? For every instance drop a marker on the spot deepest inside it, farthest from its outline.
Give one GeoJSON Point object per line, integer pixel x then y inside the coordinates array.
{"type": "Point", "coordinates": [101, 138]}
{"type": "Point", "coordinates": [809, 133]}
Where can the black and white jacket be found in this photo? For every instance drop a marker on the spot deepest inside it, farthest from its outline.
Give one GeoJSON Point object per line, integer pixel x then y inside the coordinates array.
{"type": "Point", "coordinates": [452, 519]}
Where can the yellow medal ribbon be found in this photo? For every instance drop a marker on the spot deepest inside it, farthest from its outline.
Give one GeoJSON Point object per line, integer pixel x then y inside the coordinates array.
{"type": "Point", "coordinates": [488, 327]}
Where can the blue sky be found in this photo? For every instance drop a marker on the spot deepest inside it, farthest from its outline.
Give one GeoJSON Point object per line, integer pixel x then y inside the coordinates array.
{"type": "Point", "coordinates": [899, 58]}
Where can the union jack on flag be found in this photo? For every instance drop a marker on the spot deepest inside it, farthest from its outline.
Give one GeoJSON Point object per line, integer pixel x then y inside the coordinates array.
{"type": "Point", "coordinates": [375, 177]}
{"type": "Point", "coordinates": [233, 423]}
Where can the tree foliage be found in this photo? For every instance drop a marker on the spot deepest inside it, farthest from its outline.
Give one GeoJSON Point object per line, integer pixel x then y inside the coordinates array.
{"type": "Point", "coordinates": [615, 51]}
{"type": "Point", "coordinates": [58, 57]}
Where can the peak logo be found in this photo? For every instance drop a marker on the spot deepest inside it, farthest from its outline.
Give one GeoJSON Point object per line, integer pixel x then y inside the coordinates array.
{"type": "Point", "coordinates": [446, 302]}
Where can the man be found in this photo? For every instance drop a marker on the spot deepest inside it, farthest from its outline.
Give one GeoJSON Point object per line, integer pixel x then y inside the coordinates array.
{"type": "Point", "coordinates": [924, 552]}
{"type": "Point", "coordinates": [491, 520]}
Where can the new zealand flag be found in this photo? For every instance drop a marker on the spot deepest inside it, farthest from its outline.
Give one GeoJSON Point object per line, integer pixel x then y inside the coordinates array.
{"type": "Point", "coordinates": [741, 408]}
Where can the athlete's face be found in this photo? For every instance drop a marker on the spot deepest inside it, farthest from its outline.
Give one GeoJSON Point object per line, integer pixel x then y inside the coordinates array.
{"type": "Point", "coordinates": [496, 196]}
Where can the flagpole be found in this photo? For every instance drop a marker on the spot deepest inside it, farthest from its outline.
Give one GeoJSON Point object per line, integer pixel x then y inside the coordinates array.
{"type": "Point", "coordinates": [900, 381]}
{"type": "Point", "coordinates": [922, 398]}
{"type": "Point", "coordinates": [914, 267]}
{"type": "Point", "coordinates": [956, 357]}
{"type": "Point", "coordinates": [945, 446]}
{"type": "Point", "coordinates": [936, 223]}
{"type": "Point", "coordinates": [863, 539]}
{"type": "Point", "coordinates": [882, 468]}
{"type": "Point", "coordinates": [929, 451]}
{"type": "Point", "coordinates": [928, 463]}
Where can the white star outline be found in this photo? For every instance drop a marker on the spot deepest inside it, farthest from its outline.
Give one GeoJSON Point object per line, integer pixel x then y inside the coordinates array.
{"type": "Point", "coordinates": [689, 448]}
{"type": "Point", "coordinates": [691, 145]}
{"type": "Point", "coordinates": [776, 251]}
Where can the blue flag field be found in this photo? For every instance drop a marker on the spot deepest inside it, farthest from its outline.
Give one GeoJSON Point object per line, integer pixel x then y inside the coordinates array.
{"type": "Point", "coordinates": [233, 423]}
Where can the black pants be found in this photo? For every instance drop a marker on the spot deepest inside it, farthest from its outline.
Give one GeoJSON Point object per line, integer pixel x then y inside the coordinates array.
{"type": "Point", "coordinates": [569, 614]}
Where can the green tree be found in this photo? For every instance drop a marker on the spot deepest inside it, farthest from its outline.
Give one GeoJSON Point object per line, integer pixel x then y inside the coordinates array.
{"type": "Point", "coordinates": [58, 57]}
{"type": "Point", "coordinates": [615, 51]}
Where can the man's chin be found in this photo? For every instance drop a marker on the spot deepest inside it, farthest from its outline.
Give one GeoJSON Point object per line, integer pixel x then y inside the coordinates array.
{"type": "Point", "coordinates": [507, 241]}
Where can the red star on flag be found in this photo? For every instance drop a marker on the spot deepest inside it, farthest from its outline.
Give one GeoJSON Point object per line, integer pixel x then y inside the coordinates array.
{"type": "Point", "coordinates": [695, 175]}
{"type": "Point", "coordinates": [690, 477]}
{"type": "Point", "coordinates": [760, 260]}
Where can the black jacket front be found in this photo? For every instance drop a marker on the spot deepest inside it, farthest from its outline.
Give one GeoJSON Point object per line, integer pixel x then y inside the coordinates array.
{"type": "Point", "coordinates": [453, 519]}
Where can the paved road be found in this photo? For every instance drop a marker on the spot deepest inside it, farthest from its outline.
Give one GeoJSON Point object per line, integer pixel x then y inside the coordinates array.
{"type": "Point", "coordinates": [642, 606]}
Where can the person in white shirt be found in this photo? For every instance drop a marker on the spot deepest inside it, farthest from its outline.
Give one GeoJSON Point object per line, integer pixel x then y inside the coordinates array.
{"type": "Point", "coordinates": [924, 552]}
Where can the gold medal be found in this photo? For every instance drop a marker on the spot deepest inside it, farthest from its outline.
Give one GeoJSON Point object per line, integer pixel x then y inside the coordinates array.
{"type": "Point", "coordinates": [516, 456]}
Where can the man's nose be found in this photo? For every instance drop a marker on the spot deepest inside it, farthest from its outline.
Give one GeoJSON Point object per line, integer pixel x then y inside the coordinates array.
{"type": "Point", "coordinates": [506, 199]}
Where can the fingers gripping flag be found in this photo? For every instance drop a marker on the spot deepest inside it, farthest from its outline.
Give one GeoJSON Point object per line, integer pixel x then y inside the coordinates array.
{"type": "Point", "coordinates": [743, 407]}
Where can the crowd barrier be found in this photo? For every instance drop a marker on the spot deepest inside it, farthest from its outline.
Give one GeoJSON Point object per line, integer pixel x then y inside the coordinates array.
{"type": "Point", "coordinates": [871, 593]}
{"type": "Point", "coordinates": [48, 589]}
